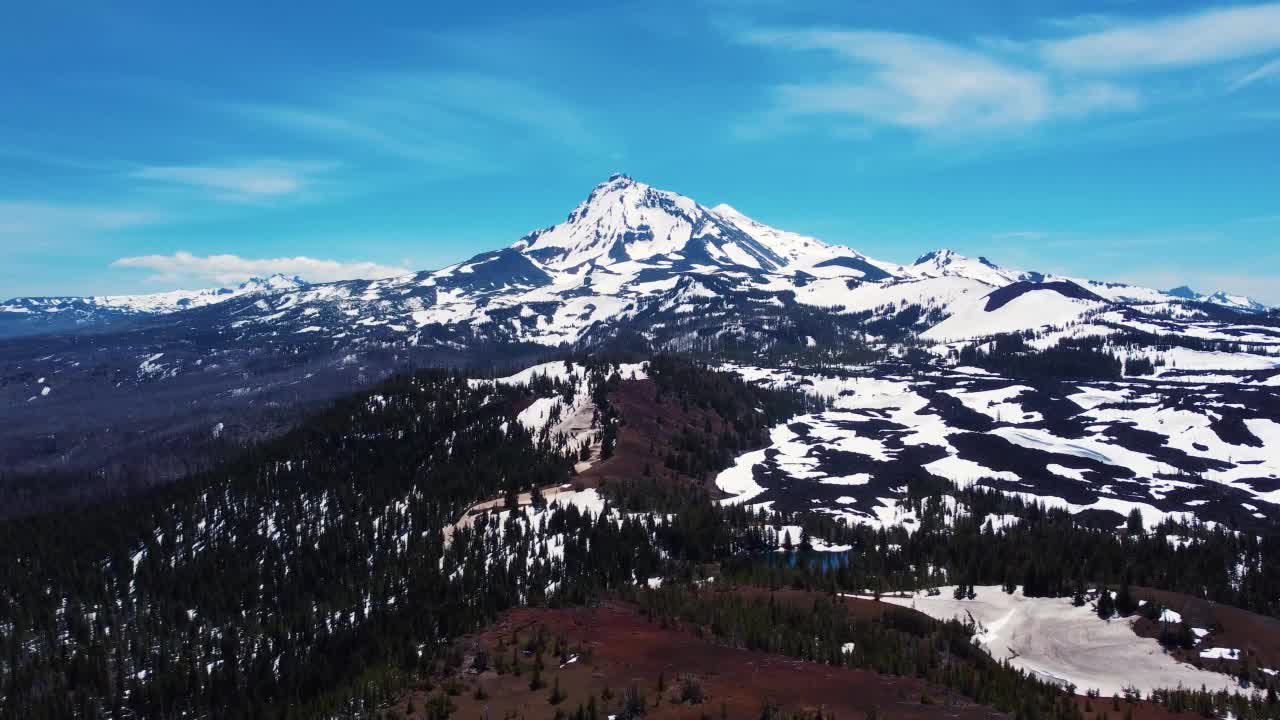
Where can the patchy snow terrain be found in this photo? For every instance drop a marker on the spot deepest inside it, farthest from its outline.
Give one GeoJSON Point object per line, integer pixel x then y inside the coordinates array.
{"type": "Point", "coordinates": [1097, 449]}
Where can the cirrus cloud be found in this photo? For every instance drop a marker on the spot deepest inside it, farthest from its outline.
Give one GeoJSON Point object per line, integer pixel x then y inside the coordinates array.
{"type": "Point", "coordinates": [1202, 38]}
{"type": "Point", "coordinates": [1267, 71]}
{"type": "Point", "coordinates": [238, 182]}
{"type": "Point", "coordinates": [184, 267]}
{"type": "Point", "coordinates": [990, 83]}
{"type": "Point", "coordinates": [32, 221]}
{"type": "Point", "coordinates": [925, 84]}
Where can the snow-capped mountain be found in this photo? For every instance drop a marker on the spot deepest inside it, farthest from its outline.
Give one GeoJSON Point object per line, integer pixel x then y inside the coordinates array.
{"type": "Point", "coordinates": [1235, 302]}
{"type": "Point", "coordinates": [942, 263]}
{"type": "Point", "coordinates": [631, 268]}
{"type": "Point", "coordinates": [26, 315]}
{"type": "Point", "coordinates": [623, 223]}
{"type": "Point", "coordinates": [632, 258]}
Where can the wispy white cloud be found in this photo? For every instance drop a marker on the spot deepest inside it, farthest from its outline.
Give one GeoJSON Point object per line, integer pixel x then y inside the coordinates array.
{"type": "Point", "coordinates": [925, 84]}
{"type": "Point", "coordinates": [998, 82]}
{"type": "Point", "coordinates": [1021, 235]}
{"type": "Point", "coordinates": [914, 81]}
{"type": "Point", "coordinates": [237, 182]}
{"type": "Point", "coordinates": [185, 268]}
{"type": "Point", "coordinates": [1088, 22]}
{"type": "Point", "coordinates": [1211, 36]}
{"type": "Point", "coordinates": [1267, 71]}
{"type": "Point", "coordinates": [36, 220]}
{"type": "Point", "coordinates": [431, 118]}
{"type": "Point", "coordinates": [389, 131]}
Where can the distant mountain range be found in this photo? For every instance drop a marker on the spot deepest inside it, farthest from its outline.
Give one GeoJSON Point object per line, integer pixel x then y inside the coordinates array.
{"type": "Point", "coordinates": [626, 245]}
{"type": "Point", "coordinates": [1235, 302]}
{"type": "Point", "coordinates": [631, 268]}
{"type": "Point", "coordinates": [623, 249]}
{"type": "Point", "coordinates": [34, 315]}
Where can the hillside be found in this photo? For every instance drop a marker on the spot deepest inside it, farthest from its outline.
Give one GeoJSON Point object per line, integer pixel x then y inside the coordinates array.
{"type": "Point", "coordinates": [314, 573]}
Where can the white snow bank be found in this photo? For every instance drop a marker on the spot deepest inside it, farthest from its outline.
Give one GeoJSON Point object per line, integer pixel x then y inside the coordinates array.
{"type": "Point", "coordinates": [1218, 653]}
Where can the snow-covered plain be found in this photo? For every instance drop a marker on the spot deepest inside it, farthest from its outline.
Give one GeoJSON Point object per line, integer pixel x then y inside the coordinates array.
{"type": "Point", "coordinates": [1065, 644]}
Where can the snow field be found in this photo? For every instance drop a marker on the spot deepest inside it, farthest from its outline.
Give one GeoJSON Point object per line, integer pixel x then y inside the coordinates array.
{"type": "Point", "coordinates": [1062, 643]}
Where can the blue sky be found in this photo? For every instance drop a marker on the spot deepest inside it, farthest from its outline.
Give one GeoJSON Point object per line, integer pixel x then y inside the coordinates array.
{"type": "Point", "coordinates": [163, 145]}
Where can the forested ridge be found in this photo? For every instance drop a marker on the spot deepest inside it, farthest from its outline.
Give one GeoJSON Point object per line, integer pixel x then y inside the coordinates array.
{"type": "Point", "coordinates": [272, 580]}
{"type": "Point", "coordinates": [1045, 550]}
{"type": "Point", "coordinates": [311, 576]}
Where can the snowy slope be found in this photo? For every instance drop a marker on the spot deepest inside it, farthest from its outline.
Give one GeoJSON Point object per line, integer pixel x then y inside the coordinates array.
{"type": "Point", "coordinates": [1032, 306]}
{"type": "Point", "coordinates": [1060, 643]}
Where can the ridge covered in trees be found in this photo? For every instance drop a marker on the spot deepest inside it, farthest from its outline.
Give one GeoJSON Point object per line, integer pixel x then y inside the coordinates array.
{"type": "Point", "coordinates": [311, 576]}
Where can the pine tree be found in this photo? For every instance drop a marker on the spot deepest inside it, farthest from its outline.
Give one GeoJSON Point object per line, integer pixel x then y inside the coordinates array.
{"type": "Point", "coordinates": [535, 679]}
{"type": "Point", "coordinates": [1105, 607]}
{"type": "Point", "coordinates": [1134, 524]}
{"type": "Point", "coordinates": [1125, 603]}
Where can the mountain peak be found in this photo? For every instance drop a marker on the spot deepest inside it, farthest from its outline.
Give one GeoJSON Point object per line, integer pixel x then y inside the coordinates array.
{"type": "Point", "coordinates": [1235, 302]}
{"type": "Point", "coordinates": [623, 221]}
{"type": "Point", "coordinates": [620, 220]}
{"type": "Point", "coordinates": [613, 183]}
{"type": "Point", "coordinates": [1220, 298]}
{"type": "Point", "coordinates": [941, 256]}
{"type": "Point", "coordinates": [948, 263]}
{"type": "Point", "coordinates": [276, 281]}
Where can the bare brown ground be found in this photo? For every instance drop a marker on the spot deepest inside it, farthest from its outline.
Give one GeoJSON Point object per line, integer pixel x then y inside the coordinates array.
{"type": "Point", "coordinates": [647, 433]}
{"type": "Point", "coordinates": [618, 648]}
{"type": "Point", "coordinates": [1255, 636]}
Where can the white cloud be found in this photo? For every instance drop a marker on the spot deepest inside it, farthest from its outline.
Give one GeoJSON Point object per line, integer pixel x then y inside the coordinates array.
{"type": "Point", "coordinates": [1087, 98]}
{"type": "Point", "coordinates": [926, 84]}
{"type": "Point", "coordinates": [37, 220]}
{"type": "Point", "coordinates": [1021, 235]}
{"type": "Point", "coordinates": [1266, 71]}
{"type": "Point", "coordinates": [1179, 41]}
{"type": "Point", "coordinates": [433, 117]}
{"type": "Point", "coordinates": [236, 182]}
{"type": "Point", "coordinates": [183, 267]}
